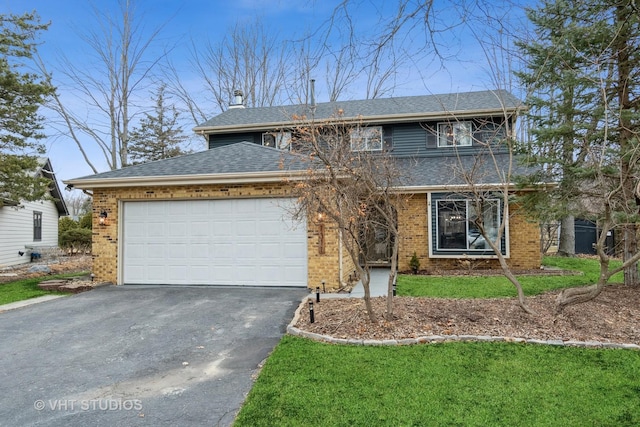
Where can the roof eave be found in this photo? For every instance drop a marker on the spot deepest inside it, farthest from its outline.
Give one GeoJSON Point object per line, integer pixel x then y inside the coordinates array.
{"type": "Point", "coordinates": [455, 188]}
{"type": "Point", "coordinates": [173, 180]}
{"type": "Point", "coordinates": [382, 119]}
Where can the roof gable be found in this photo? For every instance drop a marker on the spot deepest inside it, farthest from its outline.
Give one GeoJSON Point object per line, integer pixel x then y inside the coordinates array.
{"type": "Point", "coordinates": [45, 169]}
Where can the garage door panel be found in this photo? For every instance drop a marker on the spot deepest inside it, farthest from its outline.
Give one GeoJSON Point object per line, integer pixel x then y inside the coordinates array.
{"type": "Point", "coordinates": [229, 242]}
{"type": "Point", "coordinates": [157, 250]}
{"type": "Point", "coordinates": [156, 273]}
{"type": "Point", "coordinates": [199, 251]}
{"type": "Point", "coordinates": [177, 251]}
{"type": "Point", "coordinates": [177, 228]}
{"type": "Point", "coordinates": [176, 272]}
{"type": "Point", "coordinates": [245, 227]}
{"type": "Point", "coordinates": [221, 228]}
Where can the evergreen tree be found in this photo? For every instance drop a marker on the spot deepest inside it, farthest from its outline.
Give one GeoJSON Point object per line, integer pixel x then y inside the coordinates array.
{"type": "Point", "coordinates": [22, 93]}
{"type": "Point", "coordinates": [158, 136]}
{"type": "Point", "coordinates": [563, 88]}
{"type": "Point", "coordinates": [583, 77]}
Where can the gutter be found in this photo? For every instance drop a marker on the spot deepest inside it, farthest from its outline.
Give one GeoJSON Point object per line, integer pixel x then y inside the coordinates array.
{"type": "Point", "coordinates": [466, 187]}
{"type": "Point", "coordinates": [380, 119]}
{"type": "Point", "coordinates": [149, 181]}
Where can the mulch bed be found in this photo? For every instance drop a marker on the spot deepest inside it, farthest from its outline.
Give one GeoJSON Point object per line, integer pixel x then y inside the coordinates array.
{"type": "Point", "coordinates": [612, 317]}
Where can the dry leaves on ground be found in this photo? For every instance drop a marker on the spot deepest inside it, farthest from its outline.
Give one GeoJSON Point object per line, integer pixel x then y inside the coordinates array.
{"type": "Point", "coordinates": [611, 317]}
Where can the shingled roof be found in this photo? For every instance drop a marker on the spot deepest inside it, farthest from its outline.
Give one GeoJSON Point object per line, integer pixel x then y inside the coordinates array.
{"type": "Point", "coordinates": [242, 159]}
{"type": "Point", "coordinates": [369, 110]}
{"type": "Point", "coordinates": [248, 162]}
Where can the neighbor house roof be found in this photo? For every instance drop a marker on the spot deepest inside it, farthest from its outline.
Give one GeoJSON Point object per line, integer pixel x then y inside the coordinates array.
{"type": "Point", "coordinates": [45, 170]}
{"type": "Point", "coordinates": [380, 110]}
{"type": "Point", "coordinates": [246, 162]}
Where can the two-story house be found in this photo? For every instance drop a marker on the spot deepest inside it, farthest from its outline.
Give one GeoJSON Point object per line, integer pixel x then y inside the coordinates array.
{"type": "Point", "coordinates": [220, 216]}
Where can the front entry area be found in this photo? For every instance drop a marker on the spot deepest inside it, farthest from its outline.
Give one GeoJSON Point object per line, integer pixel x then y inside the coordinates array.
{"type": "Point", "coordinates": [239, 242]}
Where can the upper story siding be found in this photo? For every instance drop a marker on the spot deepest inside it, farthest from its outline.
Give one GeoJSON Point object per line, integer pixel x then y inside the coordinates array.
{"type": "Point", "coordinates": [403, 139]}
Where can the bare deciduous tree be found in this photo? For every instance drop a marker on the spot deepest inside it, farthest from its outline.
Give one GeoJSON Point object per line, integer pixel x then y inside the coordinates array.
{"type": "Point", "coordinates": [107, 83]}
{"type": "Point", "coordinates": [352, 187]}
{"type": "Point", "coordinates": [489, 178]}
{"type": "Point", "coordinates": [249, 58]}
{"type": "Point", "coordinates": [78, 203]}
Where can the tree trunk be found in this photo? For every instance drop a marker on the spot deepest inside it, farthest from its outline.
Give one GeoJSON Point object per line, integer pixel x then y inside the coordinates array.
{"type": "Point", "coordinates": [365, 278]}
{"type": "Point", "coordinates": [514, 280]}
{"type": "Point", "coordinates": [630, 249]}
{"type": "Point", "coordinates": [392, 278]}
{"type": "Point", "coordinates": [567, 242]}
{"type": "Point", "coordinates": [573, 296]}
{"type": "Point", "coordinates": [622, 46]}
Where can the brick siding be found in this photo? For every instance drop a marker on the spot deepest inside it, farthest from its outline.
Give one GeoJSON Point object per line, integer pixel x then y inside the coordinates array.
{"type": "Point", "coordinates": [414, 231]}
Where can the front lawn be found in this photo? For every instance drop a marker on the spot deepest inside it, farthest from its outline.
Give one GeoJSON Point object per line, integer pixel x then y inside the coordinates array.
{"type": "Point", "coordinates": [454, 384]}
{"type": "Point", "coordinates": [28, 288]}
{"type": "Point", "coordinates": [499, 286]}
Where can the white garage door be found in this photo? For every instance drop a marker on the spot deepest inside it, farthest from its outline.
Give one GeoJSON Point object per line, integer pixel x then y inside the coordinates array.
{"type": "Point", "coordinates": [213, 242]}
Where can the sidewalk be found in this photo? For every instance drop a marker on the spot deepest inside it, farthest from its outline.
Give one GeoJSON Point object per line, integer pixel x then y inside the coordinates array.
{"type": "Point", "coordinates": [26, 302]}
{"type": "Point", "coordinates": [378, 286]}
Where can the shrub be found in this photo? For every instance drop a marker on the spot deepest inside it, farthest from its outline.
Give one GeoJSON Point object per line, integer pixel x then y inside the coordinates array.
{"type": "Point", "coordinates": [75, 239]}
{"type": "Point", "coordinates": [66, 223]}
{"type": "Point", "coordinates": [85, 221]}
{"type": "Point", "coordinates": [414, 263]}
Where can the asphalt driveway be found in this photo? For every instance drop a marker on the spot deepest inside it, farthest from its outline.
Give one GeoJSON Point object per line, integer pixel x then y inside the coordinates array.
{"type": "Point", "coordinates": [157, 356]}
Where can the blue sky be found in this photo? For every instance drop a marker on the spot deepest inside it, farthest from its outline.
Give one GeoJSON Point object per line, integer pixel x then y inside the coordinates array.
{"type": "Point", "coordinates": [202, 20]}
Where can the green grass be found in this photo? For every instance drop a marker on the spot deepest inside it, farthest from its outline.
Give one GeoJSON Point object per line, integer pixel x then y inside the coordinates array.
{"type": "Point", "coordinates": [28, 288]}
{"type": "Point", "coordinates": [499, 286]}
{"type": "Point", "coordinates": [453, 384]}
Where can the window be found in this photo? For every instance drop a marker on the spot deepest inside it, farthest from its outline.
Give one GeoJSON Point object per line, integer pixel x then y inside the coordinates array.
{"type": "Point", "coordinates": [454, 134]}
{"type": "Point", "coordinates": [457, 225]}
{"type": "Point", "coordinates": [366, 139]}
{"type": "Point", "coordinates": [37, 226]}
{"type": "Point", "coordinates": [279, 140]}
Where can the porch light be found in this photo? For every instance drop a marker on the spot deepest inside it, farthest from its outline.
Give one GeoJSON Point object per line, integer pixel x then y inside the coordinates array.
{"type": "Point", "coordinates": [103, 218]}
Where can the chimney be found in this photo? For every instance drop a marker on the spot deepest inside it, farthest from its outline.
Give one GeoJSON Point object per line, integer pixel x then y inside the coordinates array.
{"type": "Point", "coordinates": [238, 99]}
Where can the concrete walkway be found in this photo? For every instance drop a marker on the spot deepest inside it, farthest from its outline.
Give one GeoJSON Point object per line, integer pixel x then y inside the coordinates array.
{"type": "Point", "coordinates": [27, 302]}
{"type": "Point", "coordinates": [378, 286]}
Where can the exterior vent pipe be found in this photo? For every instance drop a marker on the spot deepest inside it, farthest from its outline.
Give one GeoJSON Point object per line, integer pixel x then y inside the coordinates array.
{"type": "Point", "coordinates": [312, 87]}
{"type": "Point", "coordinates": [238, 99]}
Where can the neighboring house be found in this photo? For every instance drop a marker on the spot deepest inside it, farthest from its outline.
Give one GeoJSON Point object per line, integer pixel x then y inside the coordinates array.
{"type": "Point", "coordinates": [29, 227]}
{"type": "Point", "coordinates": [220, 217]}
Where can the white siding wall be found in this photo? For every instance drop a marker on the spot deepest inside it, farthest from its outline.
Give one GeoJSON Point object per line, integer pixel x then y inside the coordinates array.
{"type": "Point", "coordinates": [16, 230]}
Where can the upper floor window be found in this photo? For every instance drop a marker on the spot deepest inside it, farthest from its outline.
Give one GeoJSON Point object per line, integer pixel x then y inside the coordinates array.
{"type": "Point", "coordinates": [366, 139]}
{"type": "Point", "coordinates": [37, 226]}
{"type": "Point", "coordinates": [454, 134]}
{"type": "Point", "coordinates": [279, 140]}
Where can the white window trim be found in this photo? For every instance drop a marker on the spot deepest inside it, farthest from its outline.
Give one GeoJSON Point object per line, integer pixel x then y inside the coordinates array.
{"type": "Point", "coordinates": [455, 127]}
{"type": "Point", "coordinates": [433, 235]}
{"type": "Point", "coordinates": [360, 138]}
{"type": "Point", "coordinates": [282, 140]}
